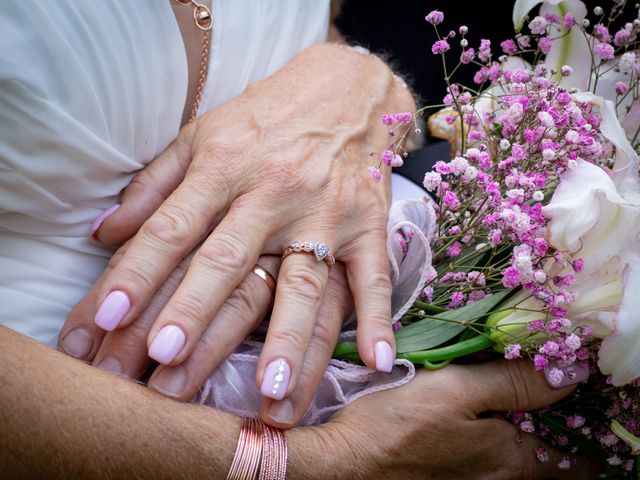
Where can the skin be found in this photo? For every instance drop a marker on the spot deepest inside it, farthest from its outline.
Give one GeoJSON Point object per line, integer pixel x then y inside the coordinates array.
{"type": "Point", "coordinates": [64, 419]}
{"type": "Point", "coordinates": [233, 168]}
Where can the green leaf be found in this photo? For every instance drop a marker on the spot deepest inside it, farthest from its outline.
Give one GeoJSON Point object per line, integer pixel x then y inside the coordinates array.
{"type": "Point", "coordinates": [432, 332]}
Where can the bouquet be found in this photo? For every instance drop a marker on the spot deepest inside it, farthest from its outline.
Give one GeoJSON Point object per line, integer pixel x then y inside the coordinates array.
{"type": "Point", "coordinates": [534, 226]}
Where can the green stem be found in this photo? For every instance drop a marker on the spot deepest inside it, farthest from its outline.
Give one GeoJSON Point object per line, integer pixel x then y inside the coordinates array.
{"type": "Point", "coordinates": [428, 308]}
{"type": "Point", "coordinates": [460, 349]}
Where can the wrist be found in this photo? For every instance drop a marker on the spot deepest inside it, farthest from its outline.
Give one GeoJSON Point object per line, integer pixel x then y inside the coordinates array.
{"type": "Point", "coordinates": [322, 452]}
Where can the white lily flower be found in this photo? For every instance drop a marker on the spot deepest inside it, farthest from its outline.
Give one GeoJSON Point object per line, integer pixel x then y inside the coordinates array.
{"type": "Point", "coordinates": [597, 217]}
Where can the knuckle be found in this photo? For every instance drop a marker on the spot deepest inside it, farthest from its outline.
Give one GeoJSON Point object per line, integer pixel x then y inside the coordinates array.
{"type": "Point", "coordinates": [303, 283]}
{"type": "Point", "coordinates": [515, 383]}
{"type": "Point", "coordinates": [243, 302]}
{"type": "Point", "coordinates": [169, 227]}
{"type": "Point", "coordinates": [137, 274]}
{"type": "Point", "coordinates": [324, 336]}
{"type": "Point", "coordinates": [223, 252]}
{"type": "Point", "coordinates": [293, 339]}
{"type": "Point", "coordinates": [191, 312]}
{"type": "Point", "coordinates": [380, 284]}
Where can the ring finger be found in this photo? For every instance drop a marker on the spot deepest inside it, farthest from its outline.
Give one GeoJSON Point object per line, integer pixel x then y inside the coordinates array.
{"type": "Point", "coordinates": [237, 317]}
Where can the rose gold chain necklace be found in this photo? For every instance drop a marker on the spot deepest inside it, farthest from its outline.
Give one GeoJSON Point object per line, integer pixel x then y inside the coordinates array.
{"type": "Point", "coordinates": [204, 21]}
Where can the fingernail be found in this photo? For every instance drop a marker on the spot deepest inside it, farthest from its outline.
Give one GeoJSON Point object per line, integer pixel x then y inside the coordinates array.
{"type": "Point", "coordinates": [167, 344]}
{"type": "Point", "coordinates": [282, 412]}
{"type": "Point", "coordinates": [170, 381]}
{"type": "Point", "coordinates": [559, 377]}
{"type": "Point", "coordinates": [276, 379]}
{"type": "Point", "coordinates": [101, 218]}
{"type": "Point", "coordinates": [383, 354]}
{"type": "Point", "coordinates": [113, 309]}
{"type": "Point", "coordinates": [112, 365]}
{"type": "Point", "coordinates": [78, 343]}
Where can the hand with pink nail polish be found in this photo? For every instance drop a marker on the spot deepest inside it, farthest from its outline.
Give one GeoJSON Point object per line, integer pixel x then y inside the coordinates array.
{"type": "Point", "coordinates": [128, 352]}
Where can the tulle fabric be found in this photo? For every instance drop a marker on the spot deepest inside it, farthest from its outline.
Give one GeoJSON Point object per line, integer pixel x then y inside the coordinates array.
{"type": "Point", "coordinates": [232, 386]}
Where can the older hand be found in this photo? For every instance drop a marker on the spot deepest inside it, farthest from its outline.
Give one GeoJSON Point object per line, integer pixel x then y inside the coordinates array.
{"type": "Point", "coordinates": [284, 161]}
{"type": "Point", "coordinates": [124, 351]}
{"type": "Point", "coordinates": [430, 429]}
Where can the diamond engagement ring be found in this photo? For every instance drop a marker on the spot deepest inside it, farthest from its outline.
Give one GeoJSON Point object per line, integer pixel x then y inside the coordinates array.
{"type": "Point", "coordinates": [320, 250]}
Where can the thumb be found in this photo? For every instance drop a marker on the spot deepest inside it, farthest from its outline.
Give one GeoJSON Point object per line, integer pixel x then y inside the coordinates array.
{"type": "Point", "coordinates": [146, 192]}
{"type": "Point", "coordinates": [507, 385]}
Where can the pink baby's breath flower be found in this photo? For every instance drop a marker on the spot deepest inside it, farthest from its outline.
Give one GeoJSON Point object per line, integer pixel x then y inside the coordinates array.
{"type": "Point", "coordinates": [440, 47]}
{"type": "Point", "coordinates": [467, 56]}
{"type": "Point", "coordinates": [565, 463]}
{"type": "Point", "coordinates": [575, 421]}
{"type": "Point", "coordinates": [427, 294]}
{"type": "Point", "coordinates": [544, 44]}
{"type": "Point", "coordinates": [477, 279]}
{"type": "Point", "coordinates": [538, 25]}
{"type": "Point", "coordinates": [388, 119]}
{"type": "Point", "coordinates": [442, 167]}
{"type": "Point", "coordinates": [510, 277]}
{"type": "Point", "coordinates": [457, 300]}
{"type": "Point", "coordinates": [527, 426]}
{"type": "Point", "coordinates": [509, 47]}
{"type": "Point", "coordinates": [511, 352]}
{"type": "Point", "coordinates": [555, 377]}
{"type": "Point", "coordinates": [621, 88]}
{"type": "Point", "coordinates": [540, 362]}
{"type": "Point", "coordinates": [387, 157]}
{"type": "Point", "coordinates": [454, 250]}
{"type": "Point", "coordinates": [601, 32]}
{"type": "Point", "coordinates": [435, 17]}
{"type": "Point", "coordinates": [375, 174]}
{"type": "Point", "coordinates": [568, 20]}
{"type": "Point", "coordinates": [542, 455]}
{"type": "Point", "coordinates": [566, 70]}
{"type": "Point", "coordinates": [484, 52]}
{"type": "Point", "coordinates": [432, 180]}
{"type": "Point", "coordinates": [450, 199]}
{"type": "Point", "coordinates": [604, 51]}
{"type": "Point", "coordinates": [397, 161]}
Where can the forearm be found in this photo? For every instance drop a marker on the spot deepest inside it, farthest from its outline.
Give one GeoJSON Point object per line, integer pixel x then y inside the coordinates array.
{"type": "Point", "coordinates": [61, 418]}
{"type": "Point", "coordinates": [64, 419]}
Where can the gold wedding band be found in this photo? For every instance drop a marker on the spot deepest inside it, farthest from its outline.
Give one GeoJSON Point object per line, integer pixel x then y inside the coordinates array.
{"type": "Point", "coordinates": [266, 276]}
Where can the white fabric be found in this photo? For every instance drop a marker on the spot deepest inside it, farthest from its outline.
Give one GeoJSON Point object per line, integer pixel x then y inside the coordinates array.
{"type": "Point", "coordinates": [90, 92]}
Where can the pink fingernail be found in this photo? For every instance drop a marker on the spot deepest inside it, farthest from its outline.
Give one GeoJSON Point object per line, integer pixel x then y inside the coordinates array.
{"type": "Point", "coordinates": [559, 377]}
{"type": "Point", "coordinates": [167, 344]}
{"type": "Point", "coordinates": [276, 379]}
{"type": "Point", "coordinates": [103, 216]}
{"type": "Point", "coordinates": [383, 354]}
{"type": "Point", "coordinates": [113, 309]}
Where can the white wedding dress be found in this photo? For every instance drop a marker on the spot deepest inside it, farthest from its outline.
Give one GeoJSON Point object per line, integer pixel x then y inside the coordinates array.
{"type": "Point", "coordinates": [90, 92]}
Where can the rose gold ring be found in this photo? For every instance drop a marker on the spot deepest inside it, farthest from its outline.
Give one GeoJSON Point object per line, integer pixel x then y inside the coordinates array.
{"type": "Point", "coordinates": [266, 276]}
{"type": "Point", "coordinates": [320, 250]}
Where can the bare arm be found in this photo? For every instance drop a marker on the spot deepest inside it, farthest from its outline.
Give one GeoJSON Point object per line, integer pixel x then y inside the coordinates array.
{"type": "Point", "coordinates": [63, 419]}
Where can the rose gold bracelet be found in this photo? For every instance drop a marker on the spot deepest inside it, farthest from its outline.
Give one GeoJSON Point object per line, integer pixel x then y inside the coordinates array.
{"type": "Point", "coordinates": [261, 453]}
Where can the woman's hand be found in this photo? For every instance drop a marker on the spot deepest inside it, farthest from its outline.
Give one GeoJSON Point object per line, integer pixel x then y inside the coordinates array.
{"type": "Point", "coordinates": [284, 161]}
{"type": "Point", "coordinates": [124, 351]}
{"type": "Point", "coordinates": [430, 428]}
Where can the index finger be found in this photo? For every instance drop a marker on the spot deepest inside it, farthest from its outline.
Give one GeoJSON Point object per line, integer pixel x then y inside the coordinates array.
{"type": "Point", "coordinates": [163, 241]}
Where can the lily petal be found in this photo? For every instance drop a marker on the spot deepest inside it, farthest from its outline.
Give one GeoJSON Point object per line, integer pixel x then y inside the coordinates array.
{"type": "Point", "coordinates": [625, 167]}
{"type": "Point", "coordinates": [520, 11]}
{"type": "Point", "coordinates": [619, 354]}
{"type": "Point", "coordinates": [570, 48]}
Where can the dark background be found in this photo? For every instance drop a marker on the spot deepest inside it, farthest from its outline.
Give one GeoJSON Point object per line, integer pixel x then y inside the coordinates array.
{"type": "Point", "coordinates": [397, 29]}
